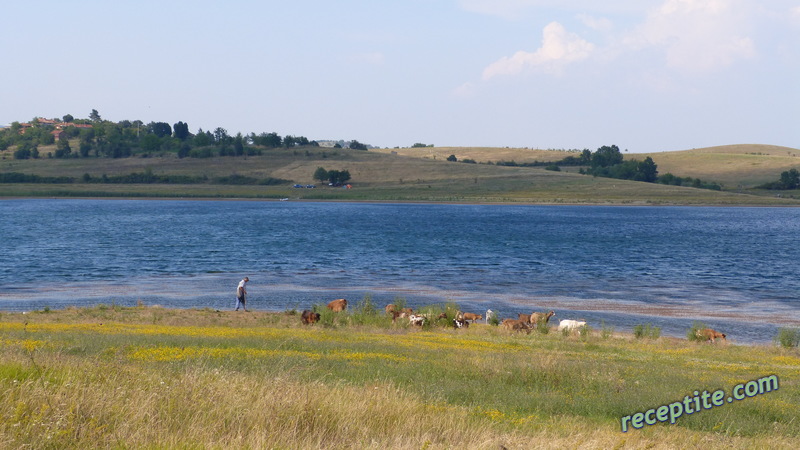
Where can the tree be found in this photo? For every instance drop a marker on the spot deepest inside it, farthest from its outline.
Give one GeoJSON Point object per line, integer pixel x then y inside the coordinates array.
{"type": "Point", "coordinates": [647, 171]}
{"type": "Point", "coordinates": [68, 118]}
{"type": "Point", "coordinates": [220, 135]}
{"type": "Point", "coordinates": [63, 149]}
{"type": "Point", "coordinates": [355, 145]}
{"type": "Point", "coordinates": [452, 158]}
{"type": "Point", "coordinates": [181, 130]}
{"type": "Point", "coordinates": [150, 143]}
{"type": "Point", "coordinates": [338, 176]}
{"type": "Point", "coordinates": [202, 138]}
{"type": "Point", "coordinates": [790, 179]}
{"type": "Point", "coordinates": [238, 144]}
{"type": "Point", "coordinates": [321, 174]}
{"type": "Point", "coordinates": [606, 156]}
{"type": "Point", "coordinates": [160, 129]}
{"type": "Point", "coordinates": [94, 116]}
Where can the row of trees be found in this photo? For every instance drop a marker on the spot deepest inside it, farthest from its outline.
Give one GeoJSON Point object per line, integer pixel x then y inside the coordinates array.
{"type": "Point", "coordinates": [789, 180]}
{"type": "Point", "coordinates": [100, 138]}
{"type": "Point", "coordinates": [608, 161]}
{"type": "Point", "coordinates": [335, 177]}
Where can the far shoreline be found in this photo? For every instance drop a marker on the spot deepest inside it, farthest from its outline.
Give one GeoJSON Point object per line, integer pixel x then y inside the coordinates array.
{"type": "Point", "coordinates": [401, 202]}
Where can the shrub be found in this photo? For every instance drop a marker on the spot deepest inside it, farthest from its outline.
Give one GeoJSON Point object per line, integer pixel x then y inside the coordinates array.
{"type": "Point", "coordinates": [542, 327]}
{"type": "Point", "coordinates": [493, 319]}
{"type": "Point", "coordinates": [585, 332]}
{"type": "Point", "coordinates": [788, 337]}
{"type": "Point", "coordinates": [605, 331]}
{"type": "Point", "coordinates": [691, 334]}
{"type": "Point", "coordinates": [646, 331]}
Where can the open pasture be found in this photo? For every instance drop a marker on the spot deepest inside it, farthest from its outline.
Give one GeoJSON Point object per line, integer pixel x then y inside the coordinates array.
{"type": "Point", "coordinates": [152, 377]}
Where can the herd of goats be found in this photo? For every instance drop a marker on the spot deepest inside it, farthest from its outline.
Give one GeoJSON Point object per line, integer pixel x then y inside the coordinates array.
{"type": "Point", "coordinates": [524, 323]}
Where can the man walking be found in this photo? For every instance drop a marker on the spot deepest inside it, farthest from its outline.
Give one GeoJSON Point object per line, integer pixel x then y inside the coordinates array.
{"type": "Point", "coordinates": [241, 294]}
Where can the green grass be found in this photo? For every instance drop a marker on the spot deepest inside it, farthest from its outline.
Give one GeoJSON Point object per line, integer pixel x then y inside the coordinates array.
{"type": "Point", "coordinates": [145, 377]}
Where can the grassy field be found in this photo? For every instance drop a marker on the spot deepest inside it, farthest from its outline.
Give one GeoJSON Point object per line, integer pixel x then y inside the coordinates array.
{"type": "Point", "coordinates": [404, 175]}
{"type": "Point", "coordinates": [150, 377]}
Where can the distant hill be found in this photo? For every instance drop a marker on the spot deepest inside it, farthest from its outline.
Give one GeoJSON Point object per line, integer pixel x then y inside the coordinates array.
{"type": "Point", "coordinates": [418, 174]}
{"type": "Point", "coordinates": [745, 165]}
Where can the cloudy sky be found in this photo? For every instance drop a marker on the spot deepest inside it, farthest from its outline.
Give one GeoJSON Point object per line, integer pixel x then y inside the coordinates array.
{"type": "Point", "coordinates": [646, 75]}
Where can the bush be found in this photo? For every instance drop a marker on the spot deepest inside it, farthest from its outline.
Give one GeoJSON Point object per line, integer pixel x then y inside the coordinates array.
{"type": "Point", "coordinates": [493, 319]}
{"type": "Point", "coordinates": [365, 313]}
{"type": "Point", "coordinates": [646, 331]}
{"type": "Point", "coordinates": [605, 331]}
{"type": "Point", "coordinates": [788, 337]}
{"type": "Point", "coordinates": [585, 332]}
{"type": "Point", "coordinates": [691, 334]}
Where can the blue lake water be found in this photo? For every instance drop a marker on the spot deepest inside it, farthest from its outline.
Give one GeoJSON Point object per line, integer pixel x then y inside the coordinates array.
{"type": "Point", "coordinates": [735, 269]}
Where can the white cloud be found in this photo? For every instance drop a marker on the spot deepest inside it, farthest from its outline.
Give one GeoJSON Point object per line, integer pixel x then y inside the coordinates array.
{"type": "Point", "coordinates": [596, 23]}
{"type": "Point", "coordinates": [466, 90]}
{"type": "Point", "coordinates": [558, 49]}
{"type": "Point", "coordinates": [696, 35]}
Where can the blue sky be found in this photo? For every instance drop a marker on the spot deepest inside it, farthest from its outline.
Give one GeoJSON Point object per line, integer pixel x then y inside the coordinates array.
{"type": "Point", "coordinates": [646, 75]}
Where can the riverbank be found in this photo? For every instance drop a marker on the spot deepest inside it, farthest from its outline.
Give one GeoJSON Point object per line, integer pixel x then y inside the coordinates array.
{"type": "Point", "coordinates": [150, 376]}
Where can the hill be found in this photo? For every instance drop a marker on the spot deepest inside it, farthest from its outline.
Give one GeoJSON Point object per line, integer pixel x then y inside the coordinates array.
{"type": "Point", "coordinates": [415, 174]}
{"type": "Point", "coordinates": [731, 165]}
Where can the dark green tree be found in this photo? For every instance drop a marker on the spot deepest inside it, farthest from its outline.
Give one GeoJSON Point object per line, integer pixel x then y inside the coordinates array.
{"type": "Point", "coordinates": [68, 118]}
{"type": "Point", "coordinates": [63, 149]}
{"type": "Point", "coordinates": [321, 174]}
{"type": "Point", "coordinates": [238, 144]}
{"type": "Point", "coordinates": [94, 116]}
{"type": "Point", "coordinates": [355, 145]}
{"type": "Point", "coordinates": [452, 158]}
{"type": "Point", "coordinates": [606, 156]}
{"type": "Point", "coordinates": [181, 130]}
{"type": "Point", "coordinates": [160, 129]}
{"type": "Point", "coordinates": [647, 171]}
{"type": "Point", "coordinates": [790, 179]}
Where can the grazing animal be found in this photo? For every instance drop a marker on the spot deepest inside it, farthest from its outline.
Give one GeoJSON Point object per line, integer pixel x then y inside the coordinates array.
{"type": "Point", "coordinates": [489, 314]}
{"type": "Point", "coordinates": [442, 316]}
{"type": "Point", "coordinates": [517, 325]}
{"type": "Point", "coordinates": [707, 334]}
{"type": "Point", "coordinates": [390, 308]}
{"type": "Point", "coordinates": [568, 324]}
{"type": "Point", "coordinates": [472, 317]}
{"type": "Point", "coordinates": [536, 317]}
{"type": "Point", "coordinates": [406, 312]}
{"type": "Point", "coordinates": [416, 319]}
{"type": "Point", "coordinates": [524, 317]}
{"type": "Point", "coordinates": [338, 305]}
{"type": "Point", "coordinates": [460, 323]}
{"type": "Point", "coordinates": [309, 317]}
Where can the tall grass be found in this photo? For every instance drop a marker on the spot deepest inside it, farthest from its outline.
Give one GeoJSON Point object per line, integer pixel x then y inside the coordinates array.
{"type": "Point", "coordinates": [114, 377]}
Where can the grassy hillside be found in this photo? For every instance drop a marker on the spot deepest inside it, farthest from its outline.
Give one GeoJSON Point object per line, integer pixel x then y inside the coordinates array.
{"type": "Point", "coordinates": [731, 165]}
{"type": "Point", "coordinates": [148, 377]}
{"type": "Point", "coordinates": [419, 174]}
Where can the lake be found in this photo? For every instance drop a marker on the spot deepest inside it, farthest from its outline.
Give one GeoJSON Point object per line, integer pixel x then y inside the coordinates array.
{"type": "Point", "coordinates": [734, 269]}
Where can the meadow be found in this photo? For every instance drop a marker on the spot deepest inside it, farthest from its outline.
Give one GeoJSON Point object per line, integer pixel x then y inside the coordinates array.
{"type": "Point", "coordinates": [109, 376]}
{"type": "Point", "coordinates": [414, 175]}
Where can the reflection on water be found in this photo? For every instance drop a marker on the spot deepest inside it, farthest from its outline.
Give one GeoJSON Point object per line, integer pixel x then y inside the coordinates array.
{"type": "Point", "coordinates": [730, 267]}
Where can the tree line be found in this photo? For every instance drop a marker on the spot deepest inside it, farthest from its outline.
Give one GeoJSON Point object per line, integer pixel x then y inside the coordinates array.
{"type": "Point", "coordinates": [146, 177]}
{"type": "Point", "coordinates": [608, 162]}
{"type": "Point", "coordinates": [101, 138]}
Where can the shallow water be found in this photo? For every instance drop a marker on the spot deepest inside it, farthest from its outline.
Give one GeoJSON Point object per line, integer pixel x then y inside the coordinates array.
{"type": "Point", "coordinates": [735, 269]}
